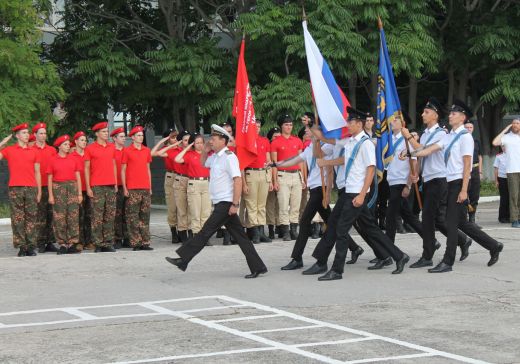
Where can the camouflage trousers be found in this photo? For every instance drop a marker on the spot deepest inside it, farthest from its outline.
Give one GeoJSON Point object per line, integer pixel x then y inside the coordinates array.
{"type": "Point", "coordinates": [65, 212]}
{"type": "Point", "coordinates": [137, 208]}
{"type": "Point", "coordinates": [120, 229]}
{"type": "Point", "coordinates": [44, 229]}
{"type": "Point", "coordinates": [103, 214]}
{"type": "Point", "coordinates": [85, 211]}
{"type": "Point", "coordinates": [24, 210]}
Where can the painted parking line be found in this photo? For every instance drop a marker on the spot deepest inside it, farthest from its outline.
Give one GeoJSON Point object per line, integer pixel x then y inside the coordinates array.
{"type": "Point", "coordinates": [156, 308]}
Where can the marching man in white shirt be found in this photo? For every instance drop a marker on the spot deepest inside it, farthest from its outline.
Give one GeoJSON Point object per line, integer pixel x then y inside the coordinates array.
{"type": "Point", "coordinates": [225, 189]}
{"type": "Point", "coordinates": [458, 154]}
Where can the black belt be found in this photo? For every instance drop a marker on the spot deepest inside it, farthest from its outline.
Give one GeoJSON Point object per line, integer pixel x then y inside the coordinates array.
{"type": "Point", "coordinates": [255, 169]}
{"type": "Point", "coordinates": [199, 178]}
{"type": "Point", "coordinates": [291, 171]}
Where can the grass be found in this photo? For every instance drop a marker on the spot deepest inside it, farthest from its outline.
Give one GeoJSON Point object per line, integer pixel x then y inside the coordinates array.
{"type": "Point", "coordinates": [5, 211]}
{"type": "Point", "coordinates": [488, 188]}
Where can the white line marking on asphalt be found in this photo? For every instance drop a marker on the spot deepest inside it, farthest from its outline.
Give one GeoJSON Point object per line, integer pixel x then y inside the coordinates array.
{"type": "Point", "coordinates": [156, 310]}
{"type": "Point", "coordinates": [286, 329]}
{"type": "Point", "coordinates": [373, 360]}
{"type": "Point", "coordinates": [245, 318]}
{"type": "Point", "coordinates": [211, 308]}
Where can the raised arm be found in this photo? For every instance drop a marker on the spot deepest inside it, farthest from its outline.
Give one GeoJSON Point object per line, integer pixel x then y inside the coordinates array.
{"type": "Point", "coordinates": [498, 139]}
{"type": "Point", "coordinates": [180, 157]}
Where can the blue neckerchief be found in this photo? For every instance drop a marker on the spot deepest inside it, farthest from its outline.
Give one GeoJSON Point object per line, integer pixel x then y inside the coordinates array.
{"type": "Point", "coordinates": [448, 150]}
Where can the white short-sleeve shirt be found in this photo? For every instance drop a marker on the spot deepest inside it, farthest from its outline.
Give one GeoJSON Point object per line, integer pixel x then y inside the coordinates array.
{"type": "Point", "coordinates": [462, 147]}
{"type": "Point", "coordinates": [512, 143]}
{"type": "Point", "coordinates": [366, 157]}
{"type": "Point", "coordinates": [398, 171]}
{"type": "Point", "coordinates": [339, 151]}
{"type": "Point", "coordinates": [223, 167]}
{"type": "Point", "coordinates": [500, 164]}
{"type": "Point", "coordinates": [433, 165]}
{"type": "Point", "coordinates": [314, 176]}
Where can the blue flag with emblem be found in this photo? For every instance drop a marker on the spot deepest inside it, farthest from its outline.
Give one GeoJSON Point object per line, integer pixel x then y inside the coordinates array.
{"type": "Point", "coordinates": [388, 107]}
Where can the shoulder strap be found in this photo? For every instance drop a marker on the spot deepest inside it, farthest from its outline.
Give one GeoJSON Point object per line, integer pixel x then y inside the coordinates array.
{"type": "Point", "coordinates": [353, 155]}
{"type": "Point", "coordinates": [397, 143]}
{"type": "Point", "coordinates": [341, 154]}
{"type": "Point", "coordinates": [447, 152]}
{"type": "Point", "coordinates": [432, 135]}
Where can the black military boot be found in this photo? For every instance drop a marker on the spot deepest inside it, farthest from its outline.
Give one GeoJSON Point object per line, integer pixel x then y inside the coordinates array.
{"type": "Point", "coordinates": [250, 233]}
{"type": "Point", "coordinates": [279, 230]}
{"type": "Point", "coordinates": [294, 231]}
{"type": "Point", "coordinates": [227, 237]}
{"type": "Point", "coordinates": [126, 243]}
{"type": "Point", "coordinates": [50, 247]}
{"type": "Point", "coordinates": [399, 227]}
{"type": "Point", "coordinates": [284, 232]}
{"type": "Point", "coordinates": [175, 237]}
{"type": "Point", "coordinates": [22, 252]}
{"type": "Point", "coordinates": [183, 236]}
{"type": "Point", "coordinates": [315, 231]}
{"type": "Point", "coordinates": [30, 251]}
{"type": "Point", "coordinates": [190, 234]}
{"type": "Point", "coordinates": [271, 231]}
{"type": "Point", "coordinates": [118, 243]}
{"type": "Point", "coordinates": [41, 248]}
{"type": "Point", "coordinates": [471, 217]}
{"type": "Point", "coordinates": [261, 233]}
{"type": "Point", "coordinates": [219, 233]}
{"type": "Point", "coordinates": [256, 235]}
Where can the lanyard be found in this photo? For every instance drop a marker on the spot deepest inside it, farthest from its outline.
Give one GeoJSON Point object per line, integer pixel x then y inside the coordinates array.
{"type": "Point", "coordinates": [353, 156]}
{"type": "Point", "coordinates": [448, 150]}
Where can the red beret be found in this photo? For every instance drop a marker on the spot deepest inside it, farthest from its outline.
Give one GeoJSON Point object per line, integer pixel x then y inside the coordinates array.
{"type": "Point", "coordinates": [117, 131]}
{"type": "Point", "coordinates": [79, 134]}
{"type": "Point", "coordinates": [100, 125]}
{"type": "Point", "coordinates": [39, 126]}
{"type": "Point", "coordinates": [20, 127]}
{"type": "Point", "coordinates": [60, 140]}
{"type": "Point", "coordinates": [32, 138]}
{"type": "Point", "coordinates": [136, 129]}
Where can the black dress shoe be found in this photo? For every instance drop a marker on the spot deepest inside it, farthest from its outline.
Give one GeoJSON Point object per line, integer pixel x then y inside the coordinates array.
{"type": "Point", "coordinates": [255, 274]}
{"type": "Point", "coordinates": [464, 250]}
{"type": "Point", "coordinates": [422, 263]}
{"type": "Point", "coordinates": [22, 252]}
{"type": "Point", "coordinates": [315, 269]}
{"type": "Point", "coordinates": [440, 268]}
{"type": "Point", "coordinates": [331, 275]}
{"type": "Point", "coordinates": [126, 243]}
{"type": "Point", "coordinates": [41, 249]}
{"type": "Point", "coordinates": [73, 250]}
{"type": "Point", "coordinates": [494, 254]}
{"type": "Point", "coordinates": [375, 260]}
{"type": "Point", "coordinates": [30, 252]}
{"type": "Point", "coordinates": [400, 264]}
{"type": "Point", "coordinates": [62, 250]}
{"type": "Point", "coordinates": [177, 262]}
{"type": "Point", "coordinates": [50, 247]}
{"type": "Point", "coordinates": [437, 245]}
{"type": "Point", "coordinates": [107, 249]}
{"type": "Point", "coordinates": [293, 264]}
{"type": "Point", "coordinates": [355, 255]}
{"type": "Point", "coordinates": [380, 264]}
{"type": "Point", "coordinates": [146, 247]}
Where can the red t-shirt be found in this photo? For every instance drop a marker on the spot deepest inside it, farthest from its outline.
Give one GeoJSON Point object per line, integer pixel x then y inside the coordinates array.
{"type": "Point", "coordinates": [101, 164]}
{"type": "Point", "coordinates": [178, 167]}
{"type": "Point", "coordinates": [63, 168]}
{"type": "Point", "coordinates": [81, 164]}
{"type": "Point", "coordinates": [119, 157]}
{"type": "Point", "coordinates": [168, 161]}
{"type": "Point", "coordinates": [20, 162]}
{"type": "Point", "coordinates": [263, 146]}
{"type": "Point", "coordinates": [46, 153]}
{"type": "Point", "coordinates": [137, 160]}
{"type": "Point", "coordinates": [306, 143]}
{"type": "Point", "coordinates": [192, 162]}
{"type": "Point", "coordinates": [285, 149]}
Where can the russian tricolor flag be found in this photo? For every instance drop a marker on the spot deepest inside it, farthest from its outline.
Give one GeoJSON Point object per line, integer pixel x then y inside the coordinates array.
{"type": "Point", "coordinates": [330, 100]}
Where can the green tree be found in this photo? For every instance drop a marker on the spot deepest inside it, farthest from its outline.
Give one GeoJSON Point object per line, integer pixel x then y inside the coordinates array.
{"type": "Point", "coordinates": [30, 84]}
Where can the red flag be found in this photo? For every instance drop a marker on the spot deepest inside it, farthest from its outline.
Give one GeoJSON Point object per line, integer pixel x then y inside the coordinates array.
{"type": "Point", "coordinates": [244, 113]}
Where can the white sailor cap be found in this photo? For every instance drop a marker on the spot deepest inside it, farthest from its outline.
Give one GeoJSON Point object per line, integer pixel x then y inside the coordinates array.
{"type": "Point", "coordinates": [218, 130]}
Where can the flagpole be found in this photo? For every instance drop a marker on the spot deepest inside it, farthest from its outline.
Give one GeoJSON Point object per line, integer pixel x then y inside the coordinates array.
{"type": "Point", "coordinates": [317, 148]}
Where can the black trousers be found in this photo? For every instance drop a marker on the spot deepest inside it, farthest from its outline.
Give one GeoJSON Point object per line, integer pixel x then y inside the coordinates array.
{"type": "Point", "coordinates": [328, 240]}
{"type": "Point", "coordinates": [219, 217]}
{"type": "Point", "coordinates": [399, 206]}
{"type": "Point", "coordinates": [474, 188]}
{"type": "Point", "coordinates": [377, 240]}
{"type": "Point", "coordinates": [503, 189]}
{"type": "Point", "coordinates": [456, 218]}
{"type": "Point", "coordinates": [435, 193]}
{"type": "Point", "coordinates": [382, 198]}
{"type": "Point", "coordinates": [314, 205]}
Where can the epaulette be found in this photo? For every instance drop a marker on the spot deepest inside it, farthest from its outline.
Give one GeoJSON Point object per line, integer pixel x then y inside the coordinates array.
{"type": "Point", "coordinates": [229, 152]}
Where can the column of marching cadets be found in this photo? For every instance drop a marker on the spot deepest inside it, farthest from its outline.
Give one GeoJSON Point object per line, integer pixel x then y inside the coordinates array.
{"type": "Point", "coordinates": [98, 196]}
